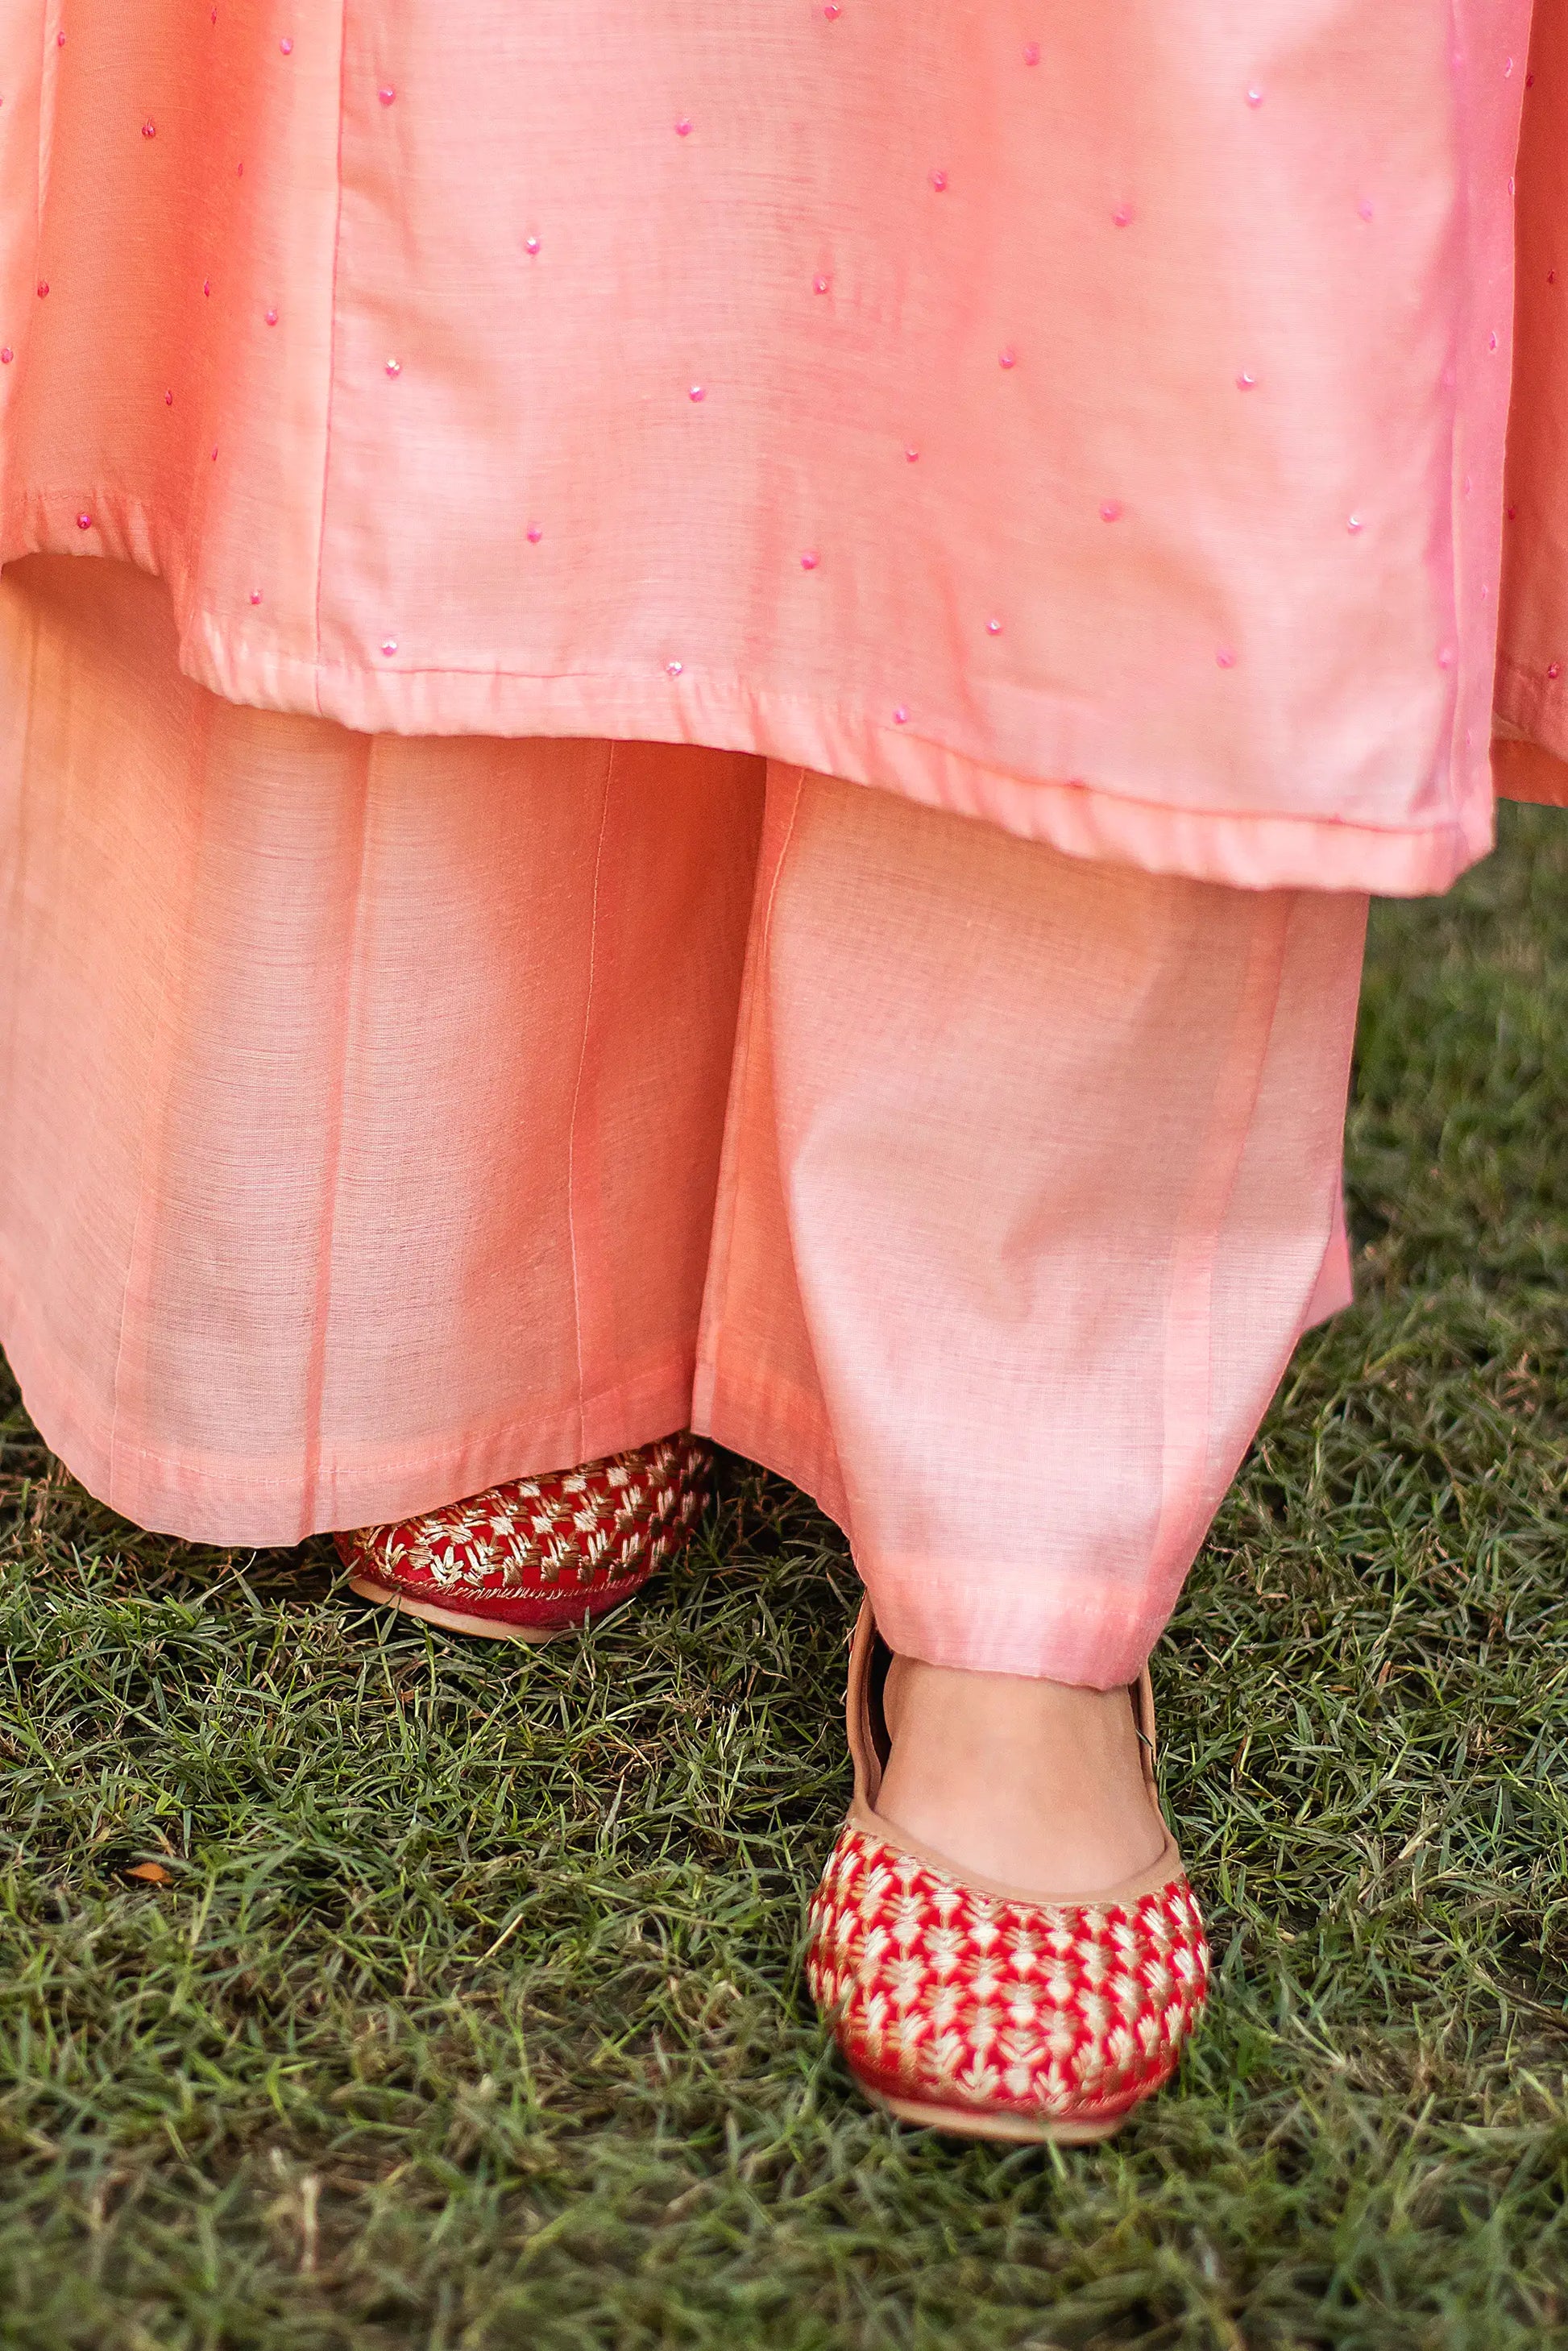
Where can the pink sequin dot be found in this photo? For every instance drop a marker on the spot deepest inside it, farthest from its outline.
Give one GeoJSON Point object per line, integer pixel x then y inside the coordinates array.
{"type": "Point", "coordinates": [820, 284]}
{"type": "Point", "coordinates": [684, 127]}
{"type": "Point", "coordinates": [1254, 96]}
{"type": "Point", "coordinates": [530, 245]}
{"type": "Point", "coordinates": [150, 129]}
{"type": "Point", "coordinates": [809, 561]}
{"type": "Point", "coordinates": [1491, 341]}
{"type": "Point", "coordinates": [84, 522]}
{"type": "Point", "coordinates": [1354, 523]}
{"type": "Point", "coordinates": [389, 646]}
{"type": "Point", "coordinates": [1553, 670]}
{"type": "Point", "coordinates": [1111, 510]}
{"type": "Point", "coordinates": [271, 317]}
{"type": "Point", "coordinates": [60, 40]}
{"type": "Point", "coordinates": [911, 454]}
{"type": "Point", "coordinates": [1031, 53]}
{"type": "Point", "coordinates": [830, 9]}
{"type": "Point", "coordinates": [901, 716]}
{"type": "Point", "coordinates": [206, 285]}
{"type": "Point", "coordinates": [1225, 657]}
{"type": "Point", "coordinates": [993, 627]}
{"type": "Point", "coordinates": [1364, 209]}
{"type": "Point", "coordinates": [168, 399]}
{"type": "Point", "coordinates": [6, 355]}
{"type": "Point", "coordinates": [1123, 215]}
{"type": "Point", "coordinates": [698, 391]}
{"type": "Point", "coordinates": [394, 367]}
{"type": "Point", "coordinates": [673, 668]}
{"type": "Point", "coordinates": [939, 180]}
{"type": "Point", "coordinates": [386, 93]}
{"type": "Point", "coordinates": [287, 46]}
{"type": "Point", "coordinates": [536, 532]}
{"type": "Point", "coordinates": [1246, 380]}
{"type": "Point", "coordinates": [43, 287]}
{"type": "Point", "coordinates": [256, 595]}
{"type": "Point", "coordinates": [1007, 357]}
{"type": "Point", "coordinates": [1446, 657]}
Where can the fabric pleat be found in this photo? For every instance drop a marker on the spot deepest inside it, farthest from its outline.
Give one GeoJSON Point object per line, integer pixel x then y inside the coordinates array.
{"type": "Point", "coordinates": [382, 1119]}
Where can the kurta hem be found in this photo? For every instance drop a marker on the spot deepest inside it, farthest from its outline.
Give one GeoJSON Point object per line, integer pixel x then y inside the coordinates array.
{"type": "Point", "coordinates": [1097, 815]}
{"type": "Point", "coordinates": [1526, 772]}
{"type": "Point", "coordinates": [1530, 743]}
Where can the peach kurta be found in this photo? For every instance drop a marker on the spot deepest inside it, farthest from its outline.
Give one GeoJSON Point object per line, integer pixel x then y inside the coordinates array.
{"type": "Point", "coordinates": [1089, 418]}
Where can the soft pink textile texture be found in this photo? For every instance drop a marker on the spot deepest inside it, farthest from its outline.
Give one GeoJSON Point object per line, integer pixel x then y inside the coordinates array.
{"type": "Point", "coordinates": [1101, 407]}
{"type": "Point", "coordinates": [1031, 1183]}
{"type": "Point", "coordinates": [387, 1118]}
{"type": "Point", "coordinates": [1531, 750]}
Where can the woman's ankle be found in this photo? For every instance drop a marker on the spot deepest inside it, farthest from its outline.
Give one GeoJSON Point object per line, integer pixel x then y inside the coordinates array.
{"type": "Point", "coordinates": [1036, 1784]}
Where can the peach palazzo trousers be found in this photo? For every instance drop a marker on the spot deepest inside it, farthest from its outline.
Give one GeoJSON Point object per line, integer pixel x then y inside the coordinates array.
{"type": "Point", "coordinates": [386, 1116]}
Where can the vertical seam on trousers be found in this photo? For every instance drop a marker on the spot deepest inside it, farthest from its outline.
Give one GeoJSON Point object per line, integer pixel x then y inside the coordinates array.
{"type": "Point", "coordinates": [611, 749]}
{"type": "Point", "coordinates": [1189, 1366]}
{"type": "Point", "coordinates": [715, 1286]}
{"type": "Point", "coordinates": [332, 1164]}
{"type": "Point", "coordinates": [149, 1155]}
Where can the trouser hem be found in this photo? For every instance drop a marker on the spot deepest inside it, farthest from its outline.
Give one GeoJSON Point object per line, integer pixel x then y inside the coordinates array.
{"type": "Point", "coordinates": [236, 1506]}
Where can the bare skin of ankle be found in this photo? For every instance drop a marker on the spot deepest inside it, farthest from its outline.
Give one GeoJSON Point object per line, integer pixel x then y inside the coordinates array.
{"type": "Point", "coordinates": [1036, 1784]}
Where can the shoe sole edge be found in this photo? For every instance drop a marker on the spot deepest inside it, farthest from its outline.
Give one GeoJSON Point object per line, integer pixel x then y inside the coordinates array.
{"type": "Point", "coordinates": [975, 2122]}
{"type": "Point", "coordinates": [452, 1619]}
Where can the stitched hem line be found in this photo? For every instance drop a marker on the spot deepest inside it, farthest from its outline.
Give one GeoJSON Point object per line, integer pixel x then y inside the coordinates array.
{"type": "Point", "coordinates": [1089, 801]}
{"type": "Point", "coordinates": [241, 1506]}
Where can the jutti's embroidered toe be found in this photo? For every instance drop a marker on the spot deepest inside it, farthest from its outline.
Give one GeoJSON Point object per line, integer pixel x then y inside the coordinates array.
{"type": "Point", "coordinates": [977, 2009]}
{"type": "Point", "coordinates": [539, 1556]}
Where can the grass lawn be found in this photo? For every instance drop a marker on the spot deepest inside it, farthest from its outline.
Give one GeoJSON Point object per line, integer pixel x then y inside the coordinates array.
{"type": "Point", "coordinates": [471, 2013]}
